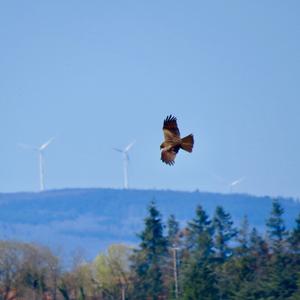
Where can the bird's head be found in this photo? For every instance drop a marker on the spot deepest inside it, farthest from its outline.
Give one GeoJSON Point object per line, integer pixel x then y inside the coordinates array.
{"type": "Point", "coordinates": [162, 146]}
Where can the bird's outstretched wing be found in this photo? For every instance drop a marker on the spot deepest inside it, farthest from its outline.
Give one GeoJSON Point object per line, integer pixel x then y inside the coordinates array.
{"type": "Point", "coordinates": [170, 128]}
{"type": "Point", "coordinates": [168, 156]}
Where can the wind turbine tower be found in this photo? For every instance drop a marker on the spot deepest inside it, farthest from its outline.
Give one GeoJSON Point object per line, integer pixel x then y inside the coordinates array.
{"type": "Point", "coordinates": [40, 150]}
{"type": "Point", "coordinates": [125, 161]}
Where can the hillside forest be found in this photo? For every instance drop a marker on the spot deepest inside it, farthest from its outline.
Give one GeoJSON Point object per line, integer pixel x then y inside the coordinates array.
{"type": "Point", "coordinates": [207, 258]}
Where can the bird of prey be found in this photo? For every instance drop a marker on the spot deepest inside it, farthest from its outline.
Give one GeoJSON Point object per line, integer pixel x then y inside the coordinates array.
{"type": "Point", "coordinates": [173, 142]}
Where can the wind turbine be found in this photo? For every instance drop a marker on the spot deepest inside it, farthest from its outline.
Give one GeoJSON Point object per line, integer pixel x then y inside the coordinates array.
{"type": "Point", "coordinates": [231, 184]}
{"type": "Point", "coordinates": [125, 161]}
{"type": "Point", "coordinates": [40, 150]}
{"type": "Point", "coordinates": [235, 182]}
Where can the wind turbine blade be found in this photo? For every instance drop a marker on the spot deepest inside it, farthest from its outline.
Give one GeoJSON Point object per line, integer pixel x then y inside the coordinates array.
{"type": "Point", "coordinates": [27, 147]}
{"type": "Point", "coordinates": [118, 150]}
{"type": "Point", "coordinates": [129, 146]}
{"type": "Point", "coordinates": [237, 181]}
{"type": "Point", "coordinates": [45, 145]}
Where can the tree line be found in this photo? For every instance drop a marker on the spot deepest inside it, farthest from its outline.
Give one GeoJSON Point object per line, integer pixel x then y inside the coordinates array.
{"type": "Point", "coordinates": [206, 259]}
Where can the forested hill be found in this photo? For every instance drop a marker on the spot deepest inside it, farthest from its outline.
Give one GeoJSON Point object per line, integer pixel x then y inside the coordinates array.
{"type": "Point", "coordinates": [92, 219]}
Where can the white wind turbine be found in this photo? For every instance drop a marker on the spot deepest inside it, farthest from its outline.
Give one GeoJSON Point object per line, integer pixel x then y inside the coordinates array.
{"type": "Point", "coordinates": [125, 161]}
{"type": "Point", "coordinates": [231, 184]}
{"type": "Point", "coordinates": [40, 150]}
{"type": "Point", "coordinates": [235, 183]}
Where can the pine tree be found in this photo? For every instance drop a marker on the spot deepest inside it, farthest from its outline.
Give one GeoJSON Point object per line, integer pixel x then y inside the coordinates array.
{"type": "Point", "coordinates": [280, 284]}
{"type": "Point", "coordinates": [199, 233]}
{"type": "Point", "coordinates": [242, 248]}
{"type": "Point", "coordinates": [294, 241]}
{"type": "Point", "coordinates": [246, 273]}
{"type": "Point", "coordinates": [198, 278]}
{"type": "Point", "coordinates": [295, 237]}
{"type": "Point", "coordinates": [276, 228]}
{"type": "Point", "coordinates": [296, 294]}
{"type": "Point", "coordinates": [148, 261]}
{"type": "Point", "coordinates": [246, 269]}
{"type": "Point", "coordinates": [237, 270]}
{"type": "Point", "coordinates": [259, 253]}
{"type": "Point", "coordinates": [224, 232]}
{"type": "Point", "coordinates": [173, 231]}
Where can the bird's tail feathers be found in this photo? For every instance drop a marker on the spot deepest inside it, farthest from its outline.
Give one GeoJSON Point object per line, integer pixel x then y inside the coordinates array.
{"type": "Point", "coordinates": [187, 143]}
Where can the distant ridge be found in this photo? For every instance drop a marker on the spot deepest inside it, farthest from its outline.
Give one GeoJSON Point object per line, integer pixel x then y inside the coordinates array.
{"type": "Point", "coordinates": [93, 218]}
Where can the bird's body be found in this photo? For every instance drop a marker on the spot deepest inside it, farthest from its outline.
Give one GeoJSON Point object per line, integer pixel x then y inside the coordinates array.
{"type": "Point", "coordinates": [173, 142]}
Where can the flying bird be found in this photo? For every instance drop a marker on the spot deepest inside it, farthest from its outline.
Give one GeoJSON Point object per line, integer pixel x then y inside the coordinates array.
{"type": "Point", "coordinates": [173, 142]}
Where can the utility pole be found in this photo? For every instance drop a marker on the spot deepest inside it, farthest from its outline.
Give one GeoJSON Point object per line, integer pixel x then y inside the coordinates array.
{"type": "Point", "coordinates": [123, 291]}
{"type": "Point", "coordinates": [175, 271]}
{"type": "Point", "coordinates": [123, 288]}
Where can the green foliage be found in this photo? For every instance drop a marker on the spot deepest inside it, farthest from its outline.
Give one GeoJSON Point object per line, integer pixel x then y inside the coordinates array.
{"type": "Point", "coordinates": [199, 234]}
{"type": "Point", "coordinates": [112, 270]}
{"type": "Point", "coordinates": [276, 228]}
{"type": "Point", "coordinates": [64, 291]}
{"type": "Point", "coordinates": [236, 272]}
{"type": "Point", "coordinates": [26, 268]}
{"type": "Point", "coordinates": [296, 294]}
{"type": "Point", "coordinates": [173, 231]}
{"type": "Point", "coordinates": [295, 237]}
{"type": "Point", "coordinates": [199, 281]}
{"type": "Point", "coordinates": [149, 259]}
{"type": "Point", "coordinates": [213, 261]}
{"type": "Point", "coordinates": [82, 294]}
{"type": "Point", "coordinates": [198, 278]}
{"type": "Point", "coordinates": [223, 233]}
{"type": "Point", "coordinates": [281, 282]}
{"type": "Point", "coordinates": [242, 238]}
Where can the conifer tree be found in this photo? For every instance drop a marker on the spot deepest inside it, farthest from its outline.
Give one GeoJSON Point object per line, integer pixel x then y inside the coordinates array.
{"type": "Point", "coordinates": [276, 228]}
{"type": "Point", "coordinates": [280, 284]}
{"type": "Point", "coordinates": [224, 232]}
{"type": "Point", "coordinates": [294, 241]}
{"type": "Point", "coordinates": [296, 294]}
{"type": "Point", "coordinates": [247, 268]}
{"type": "Point", "coordinates": [198, 278]}
{"type": "Point", "coordinates": [237, 270]}
{"type": "Point", "coordinates": [295, 237]}
{"type": "Point", "coordinates": [199, 233]}
{"type": "Point", "coordinates": [173, 231]}
{"type": "Point", "coordinates": [243, 238]}
{"type": "Point", "coordinates": [259, 252]}
{"type": "Point", "coordinates": [148, 260]}
{"type": "Point", "coordinates": [259, 256]}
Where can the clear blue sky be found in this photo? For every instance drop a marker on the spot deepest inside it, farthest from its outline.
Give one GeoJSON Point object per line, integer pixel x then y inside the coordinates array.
{"type": "Point", "coordinates": [99, 74]}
